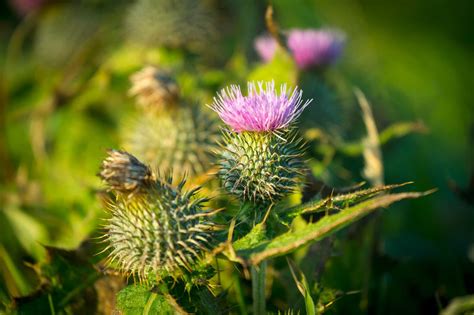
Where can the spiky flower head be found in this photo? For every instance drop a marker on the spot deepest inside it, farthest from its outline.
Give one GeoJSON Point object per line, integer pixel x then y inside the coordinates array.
{"type": "Point", "coordinates": [265, 45]}
{"type": "Point", "coordinates": [162, 232]}
{"type": "Point", "coordinates": [262, 109]}
{"type": "Point", "coordinates": [315, 48]}
{"type": "Point", "coordinates": [124, 173]}
{"type": "Point", "coordinates": [154, 88]}
{"type": "Point", "coordinates": [261, 158]}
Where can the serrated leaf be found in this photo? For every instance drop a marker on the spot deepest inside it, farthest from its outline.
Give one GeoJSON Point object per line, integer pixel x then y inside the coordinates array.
{"type": "Point", "coordinates": [281, 69]}
{"type": "Point", "coordinates": [328, 225]}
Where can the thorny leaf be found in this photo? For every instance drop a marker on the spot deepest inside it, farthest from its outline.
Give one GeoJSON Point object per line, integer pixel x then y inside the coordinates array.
{"type": "Point", "coordinates": [338, 201]}
{"type": "Point", "coordinates": [328, 225]}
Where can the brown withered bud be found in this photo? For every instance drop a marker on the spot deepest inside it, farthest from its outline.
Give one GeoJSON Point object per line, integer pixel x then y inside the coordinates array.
{"type": "Point", "coordinates": [124, 173]}
{"type": "Point", "coordinates": [153, 88]}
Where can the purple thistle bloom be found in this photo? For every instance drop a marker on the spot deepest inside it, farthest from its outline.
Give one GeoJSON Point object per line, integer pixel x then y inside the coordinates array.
{"type": "Point", "coordinates": [265, 45]}
{"type": "Point", "coordinates": [263, 109]}
{"type": "Point", "coordinates": [315, 47]}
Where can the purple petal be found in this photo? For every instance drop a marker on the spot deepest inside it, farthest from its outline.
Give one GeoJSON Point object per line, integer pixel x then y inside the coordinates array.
{"type": "Point", "coordinates": [263, 109]}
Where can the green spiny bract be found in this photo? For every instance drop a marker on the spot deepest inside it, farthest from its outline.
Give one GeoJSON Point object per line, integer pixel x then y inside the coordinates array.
{"type": "Point", "coordinates": [261, 167]}
{"type": "Point", "coordinates": [162, 232]}
{"type": "Point", "coordinates": [179, 139]}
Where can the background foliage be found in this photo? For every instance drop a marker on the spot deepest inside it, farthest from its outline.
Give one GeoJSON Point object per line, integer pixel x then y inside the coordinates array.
{"type": "Point", "coordinates": [63, 101]}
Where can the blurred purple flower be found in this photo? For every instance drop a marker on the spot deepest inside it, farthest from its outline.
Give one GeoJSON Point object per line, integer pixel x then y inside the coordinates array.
{"type": "Point", "coordinates": [23, 7]}
{"type": "Point", "coordinates": [312, 48]}
{"type": "Point", "coordinates": [263, 109]}
{"type": "Point", "coordinates": [265, 45]}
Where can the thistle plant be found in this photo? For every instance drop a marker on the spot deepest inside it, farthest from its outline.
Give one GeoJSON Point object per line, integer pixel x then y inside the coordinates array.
{"type": "Point", "coordinates": [162, 231]}
{"type": "Point", "coordinates": [169, 134]}
{"type": "Point", "coordinates": [261, 157]}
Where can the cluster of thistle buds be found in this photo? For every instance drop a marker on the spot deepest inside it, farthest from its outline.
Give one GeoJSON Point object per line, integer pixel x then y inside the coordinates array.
{"type": "Point", "coordinates": [155, 229]}
{"type": "Point", "coordinates": [261, 161]}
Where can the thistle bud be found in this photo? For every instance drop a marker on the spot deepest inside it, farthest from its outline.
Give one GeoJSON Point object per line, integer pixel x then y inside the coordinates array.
{"type": "Point", "coordinates": [124, 173]}
{"type": "Point", "coordinates": [162, 232]}
{"type": "Point", "coordinates": [180, 141]}
{"type": "Point", "coordinates": [153, 88]}
{"type": "Point", "coordinates": [261, 159]}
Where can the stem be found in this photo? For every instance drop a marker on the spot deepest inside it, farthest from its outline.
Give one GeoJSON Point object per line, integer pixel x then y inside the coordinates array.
{"type": "Point", "coordinates": [258, 287]}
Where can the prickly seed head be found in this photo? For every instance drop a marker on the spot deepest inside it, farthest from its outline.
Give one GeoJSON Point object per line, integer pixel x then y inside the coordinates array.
{"type": "Point", "coordinates": [161, 233]}
{"type": "Point", "coordinates": [124, 173]}
{"type": "Point", "coordinates": [260, 167]}
{"type": "Point", "coordinates": [153, 88]}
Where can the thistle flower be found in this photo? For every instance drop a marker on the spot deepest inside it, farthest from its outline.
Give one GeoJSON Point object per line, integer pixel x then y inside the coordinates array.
{"type": "Point", "coordinates": [261, 160]}
{"type": "Point", "coordinates": [161, 232]}
{"type": "Point", "coordinates": [313, 48]}
{"type": "Point", "coordinates": [263, 109]}
{"type": "Point", "coordinates": [153, 88]}
{"type": "Point", "coordinates": [265, 46]}
{"type": "Point", "coordinates": [123, 172]}
{"type": "Point", "coordinates": [309, 47]}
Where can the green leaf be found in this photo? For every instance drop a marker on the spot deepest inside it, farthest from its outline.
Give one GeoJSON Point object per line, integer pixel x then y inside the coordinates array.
{"type": "Point", "coordinates": [66, 284]}
{"type": "Point", "coordinates": [328, 225]}
{"type": "Point", "coordinates": [281, 69]}
{"type": "Point", "coordinates": [305, 290]}
{"type": "Point", "coordinates": [339, 201]}
{"type": "Point", "coordinates": [254, 237]}
{"type": "Point", "coordinates": [138, 300]}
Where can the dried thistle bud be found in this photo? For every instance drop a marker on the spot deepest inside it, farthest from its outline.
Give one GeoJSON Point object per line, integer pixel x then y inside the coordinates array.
{"type": "Point", "coordinates": [161, 234]}
{"type": "Point", "coordinates": [153, 88]}
{"type": "Point", "coordinates": [124, 173]}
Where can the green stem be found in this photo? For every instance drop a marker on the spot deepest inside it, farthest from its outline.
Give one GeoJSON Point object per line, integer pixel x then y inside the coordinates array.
{"type": "Point", "coordinates": [258, 287]}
